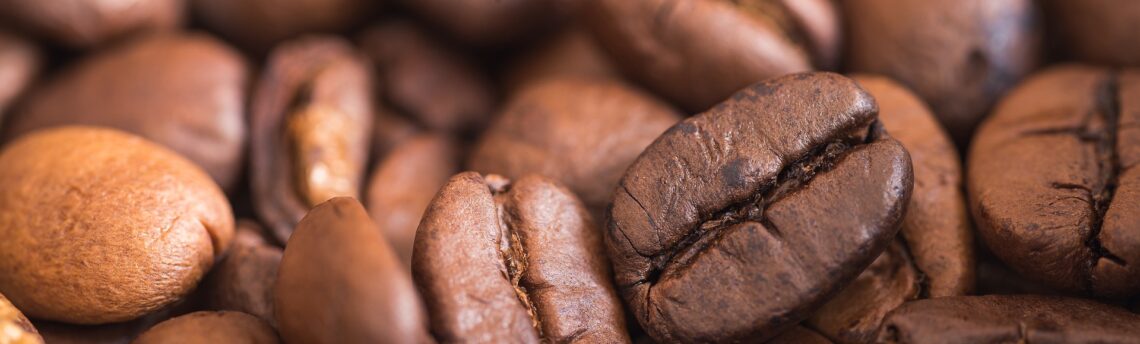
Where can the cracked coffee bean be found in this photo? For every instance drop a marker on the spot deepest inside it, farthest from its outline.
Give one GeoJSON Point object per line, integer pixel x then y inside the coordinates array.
{"type": "Point", "coordinates": [1053, 180]}
{"type": "Point", "coordinates": [517, 262]}
{"type": "Point", "coordinates": [243, 279]}
{"type": "Point", "coordinates": [933, 255]}
{"type": "Point", "coordinates": [764, 206]}
{"type": "Point", "coordinates": [959, 56]}
{"type": "Point", "coordinates": [311, 129]}
{"type": "Point", "coordinates": [698, 52]}
{"type": "Point", "coordinates": [102, 226]}
{"type": "Point", "coordinates": [582, 132]}
{"type": "Point", "coordinates": [210, 328]}
{"type": "Point", "coordinates": [14, 327]}
{"type": "Point", "coordinates": [186, 91]}
{"type": "Point", "coordinates": [20, 62]}
{"type": "Point", "coordinates": [340, 282]}
{"type": "Point", "coordinates": [85, 24]}
{"type": "Point", "coordinates": [257, 25]}
{"type": "Point", "coordinates": [1009, 319]}
{"type": "Point", "coordinates": [1095, 31]}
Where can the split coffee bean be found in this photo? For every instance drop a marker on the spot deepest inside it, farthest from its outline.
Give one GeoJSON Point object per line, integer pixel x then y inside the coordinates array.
{"type": "Point", "coordinates": [311, 126]}
{"type": "Point", "coordinates": [210, 328]}
{"type": "Point", "coordinates": [517, 262]}
{"type": "Point", "coordinates": [741, 221]}
{"type": "Point", "coordinates": [340, 282]}
{"type": "Point", "coordinates": [101, 226]}
{"type": "Point", "coordinates": [1054, 183]}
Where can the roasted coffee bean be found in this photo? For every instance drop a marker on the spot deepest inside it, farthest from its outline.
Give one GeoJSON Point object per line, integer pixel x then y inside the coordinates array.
{"type": "Point", "coordinates": [959, 56]}
{"type": "Point", "coordinates": [572, 53]}
{"type": "Point", "coordinates": [403, 184]}
{"type": "Point", "coordinates": [14, 327]}
{"type": "Point", "coordinates": [582, 132]}
{"type": "Point", "coordinates": [764, 206]}
{"type": "Point", "coordinates": [492, 22]}
{"type": "Point", "coordinates": [211, 328]}
{"type": "Point", "coordinates": [185, 91]}
{"type": "Point", "coordinates": [101, 226]}
{"type": "Point", "coordinates": [389, 131]}
{"type": "Point", "coordinates": [340, 282]}
{"type": "Point", "coordinates": [415, 70]}
{"type": "Point", "coordinates": [933, 253]}
{"type": "Point", "coordinates": [698, 52]}
{"type": "Point", "coordinates": [799, 335]}
{"type": "Point", "coordinates": [1095, 31]}
{"type": "Point", "coordinates": [514, 262]}
{"type": "Point", "coordinates": [1009, 319]}
{"type": "Point", "coordinates": [259, 24]}
{"type": "Point", "coordinates": [19, 65]}
{"type": "Point", "coordinates": [312, 121]}
{"type": "Point", "coordinates": [88, 23]}
{"type": "Point", "coordinates": [243, 280]}
{"type": "Point", "coordinates": [1052, 180]}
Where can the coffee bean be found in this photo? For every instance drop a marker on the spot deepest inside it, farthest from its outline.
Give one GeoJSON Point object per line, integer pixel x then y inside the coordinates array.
{"type": "Point", "coordinates": [85, 24]}
{"type": "Point", "coordinates": [211, 327]}
{"type": "Point", "coordinates": [102, 226]}
{"type": "Point", "coordinates": [698, 52]}
{"type": "Point", "coordinates": [20, 62]}
{"type": "Point", "coordinates": [960, 56]}
{"type": "Point", "coordinates": [340, 282]}
{"type": "Point", "coordinates": [496, 22]}
{"type": "Point", "coordinates": [1009, 319]}
{"type": "Point", "coordinates": [416, 69]}
{"type": "Point", "coordinates": [403, 184]}
{"type": "Point", "coordinates": [517, 262]}
{"type": "Point", "coordinates": [572, 53]}
{"type": "Point", "coordinates": [763, 206]}
{"type": "Point", "coordinates": [582, 132]}
{"type": "Point", "coordinates": [243, 280]}
{"type": "Point", "coordinates": [1095, 31]}
{"type": "Point", "coordinates": [185, 91]}
{"type": "Point", "coordinates": [799, 335]}
{"type": "Point", "coordinates": [855, 314]}
{"type": "Point", "coordinates": [312, 117]}
{"type": "Point", "coordinates": [14, 327]}
{"type": "Point", "coordinates": [257, 25]}
{"type": "Point", "coordinates": [1052, 183]}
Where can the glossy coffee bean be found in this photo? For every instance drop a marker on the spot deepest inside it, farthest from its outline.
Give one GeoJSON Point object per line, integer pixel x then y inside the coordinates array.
{"type": "Point", "coordinates": [210, 328]}
{"type": "Point", "coordinates": [403, 184]}
{"type": "Point", "coordinates": [85, 24]}
{"type": "Point", "coordinates": [103, 226]}
{"type": "Point", "coordinates": [764, 206]}
{"type": "Point", "coordinates": [582, 132]}
{"type": "Point", "coordinates": [257, 25]}
{"type": "Point", "coordinates": [959, 57]}
{"type": "Point", "coordinates": [185, 91]}
{"type": "Point", "coordinates": [517, 262]}
{"type": "Point", "coordinates": [14, 327]}
{"type": "Point", "coordinates": [698, 52]}
{"type": "Point", "coordinates": [20, 62]}
{"type": "Point", "coordinates": [311, 126]}
{"type": "Point", "coordinates": [1053, 183]}
{"type": "Point", "coordinates": [1095, 31]}
{"type": "Point", "coordinates": [1009, 319]}
{"type": "Point", "coordinates": [413, 70]}
{"type": "Point", "coordinates": [340, 282]}
{"type": "Point", "coordinates": [243, 279]}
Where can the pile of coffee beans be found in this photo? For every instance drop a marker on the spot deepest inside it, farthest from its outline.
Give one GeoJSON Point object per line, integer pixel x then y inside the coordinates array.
{"type": "Point", "coordinates": [569, 171]}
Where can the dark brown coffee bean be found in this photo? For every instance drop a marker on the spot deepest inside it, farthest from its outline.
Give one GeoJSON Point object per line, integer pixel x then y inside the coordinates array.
{"type": "Point", "coordinates": [1009, 319]}
{"type": "Point", "coordinates": [311, 127]}
{"type": "Point", "coordinates": [698, 52]}
{"type": "Point", "coordinates": [582, 132]}
{"type": "Point", "coordinates": [959, 56]}
{"type": "Point", "coordinates": [1053, 183]}
{"type": "Point", "coordinates": [14, 327]}
{"type": "Point", "coordinates": [20, 62]}
{"type": "Point", "coordinates": [492, 22]}
{"type": "Point", "coordinates": [799, 335]}
{"type": "Point", "coordinates": [102, 226]}
{"type": "Point", "coordinates": [259, 24]}
{"type": "Point", "coordinates": [389, 130]}
{"type": "Point", "coordinates": [855, 314]}
{"type": "Point", "coordinates": [514, 262]}
{"type": "Point", "coordinates": [340, 282]}
{"type": "Point", "coordinates": [209, 328]}
{"type": "Point", "coordinates": [88, 23]}
{"type": "Point", "coordinates": [423, 79]}
{"type": "Point", "coordinates": [763, 207]}
{"type": "Point", "coordinates": [185, 91]}
{"type": "Point", "coordinates": [572, 53]}
{"type": "Point", "coordinates": [243, 280]}
{"type": "Point", "coordinates": [1096, 31]}
{"type": "Point", "coordinates": [403, 184]}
